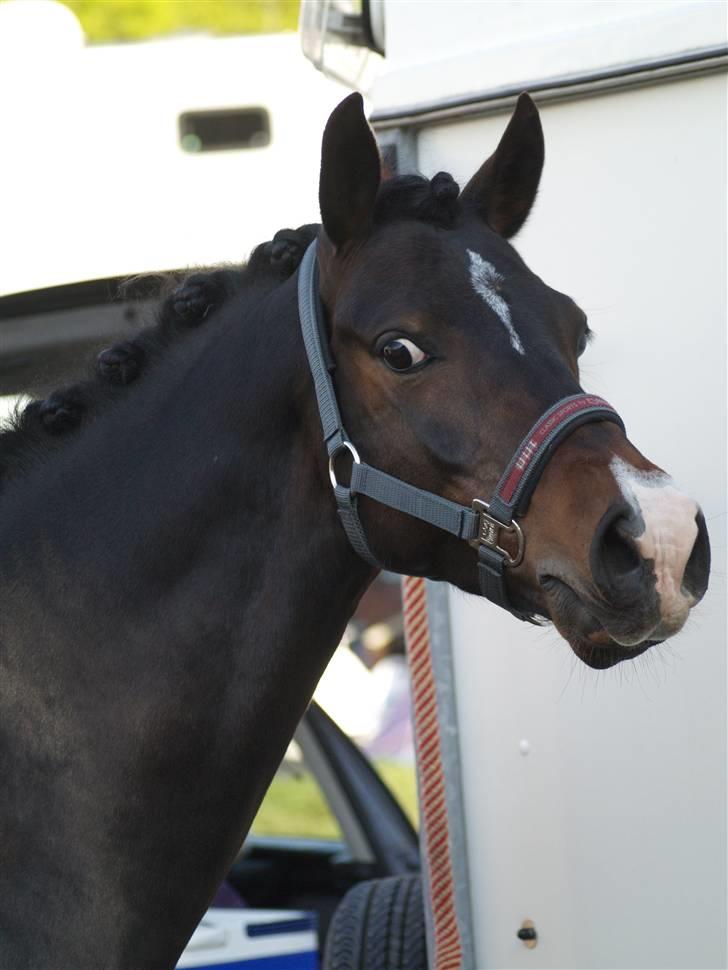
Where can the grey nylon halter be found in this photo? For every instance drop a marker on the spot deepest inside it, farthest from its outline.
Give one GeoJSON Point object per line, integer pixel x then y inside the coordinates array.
{"type": "Point", "coordinates": [482, 523]}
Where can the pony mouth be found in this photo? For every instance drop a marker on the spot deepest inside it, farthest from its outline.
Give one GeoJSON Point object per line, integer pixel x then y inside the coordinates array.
{"type": "Point", "coordinates": [586, 635]}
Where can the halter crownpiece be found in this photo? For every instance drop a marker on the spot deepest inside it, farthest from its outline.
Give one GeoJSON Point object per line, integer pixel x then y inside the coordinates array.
{"type": "Point", "coordinates": [484, 522]}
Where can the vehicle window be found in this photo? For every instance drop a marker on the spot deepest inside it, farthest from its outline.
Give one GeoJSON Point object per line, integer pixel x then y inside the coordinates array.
{"type": "Point", "coordinates": [224, 130]}
{"type": "Point", "coordinates": [294, 806]}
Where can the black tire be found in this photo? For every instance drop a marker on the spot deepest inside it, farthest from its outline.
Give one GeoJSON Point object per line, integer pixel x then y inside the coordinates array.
{"type": "Point", "coordinates": [379, 925]}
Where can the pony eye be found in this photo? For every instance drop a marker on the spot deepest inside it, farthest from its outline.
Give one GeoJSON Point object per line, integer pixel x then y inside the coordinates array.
{"type": "Point", "coordinates": [402, 355]}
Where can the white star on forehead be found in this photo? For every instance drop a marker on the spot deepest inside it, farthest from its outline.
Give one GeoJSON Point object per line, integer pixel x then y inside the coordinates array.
{"type": "Point", "coordinates": [486, 279]}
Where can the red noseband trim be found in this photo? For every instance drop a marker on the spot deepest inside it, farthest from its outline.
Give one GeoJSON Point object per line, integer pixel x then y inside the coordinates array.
{"type": "Point", "coordinates": [539, 438]}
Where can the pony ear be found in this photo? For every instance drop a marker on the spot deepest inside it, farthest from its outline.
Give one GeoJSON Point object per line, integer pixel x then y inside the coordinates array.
{"type": "Point", "coordinates": [504, 187]}
{"type": "Point", "coordinates": [350, 173]}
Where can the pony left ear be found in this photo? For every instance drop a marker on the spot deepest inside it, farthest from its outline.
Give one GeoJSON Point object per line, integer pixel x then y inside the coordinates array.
{"type": "Point", "coordinates": [503, 189]}
{"type": "Point", "coordinates": [350, 173]}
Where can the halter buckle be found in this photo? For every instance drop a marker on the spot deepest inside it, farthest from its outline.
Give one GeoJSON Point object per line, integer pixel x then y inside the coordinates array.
{"type": "Point", "coordinates": [489, 530]}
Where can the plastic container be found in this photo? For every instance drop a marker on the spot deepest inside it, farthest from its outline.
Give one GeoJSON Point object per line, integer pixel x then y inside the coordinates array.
{"type": "Point", "coordinates": [253, 939]}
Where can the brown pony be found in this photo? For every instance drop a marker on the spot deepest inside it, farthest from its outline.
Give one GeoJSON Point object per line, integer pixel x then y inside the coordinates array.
{"type": "Point", "coordinates": [174, 576]}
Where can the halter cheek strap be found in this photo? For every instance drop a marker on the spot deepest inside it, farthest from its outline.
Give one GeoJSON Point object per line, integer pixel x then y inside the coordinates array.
{"type": "Point", "coordinates": [483, 523]}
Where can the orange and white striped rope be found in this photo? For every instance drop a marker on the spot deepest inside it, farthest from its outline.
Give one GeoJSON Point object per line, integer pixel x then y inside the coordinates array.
{"type": "Point", "coordinates": [447, 953]}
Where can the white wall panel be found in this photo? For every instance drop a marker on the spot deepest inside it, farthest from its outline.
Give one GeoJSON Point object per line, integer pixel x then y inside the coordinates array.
{"type": "Point", "coordinates": [448, 49]}
{"type": "Point", "coordinates": [611, 833]}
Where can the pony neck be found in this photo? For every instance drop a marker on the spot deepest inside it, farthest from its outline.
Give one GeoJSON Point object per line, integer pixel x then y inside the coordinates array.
{"type": "Point", "coordinates": [182, 584]}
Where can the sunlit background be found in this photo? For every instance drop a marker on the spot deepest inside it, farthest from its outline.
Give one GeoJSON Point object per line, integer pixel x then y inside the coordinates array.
{"type": "Point", "coordinates": [144, 136]}
{"type": "Point", "coordinates": [111, 21]}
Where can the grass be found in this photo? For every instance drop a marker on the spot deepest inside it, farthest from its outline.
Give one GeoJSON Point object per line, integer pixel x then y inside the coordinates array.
{"type": "Point", "coordinates": [123, 20]}
{"type": "Point", "coordinates": [294, 805]}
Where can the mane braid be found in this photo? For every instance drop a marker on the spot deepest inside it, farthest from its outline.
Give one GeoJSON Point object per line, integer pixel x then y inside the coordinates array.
{"type": "Point", "coordinates": [26, 437]}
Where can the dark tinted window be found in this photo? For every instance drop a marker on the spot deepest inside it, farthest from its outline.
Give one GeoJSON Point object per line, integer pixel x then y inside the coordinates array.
{"type": "Point", "coordinates": [224, 130]}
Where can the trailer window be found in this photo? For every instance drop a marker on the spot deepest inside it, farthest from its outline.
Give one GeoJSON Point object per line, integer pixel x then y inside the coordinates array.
{"type": "Point", "coordinates": [227, 129]}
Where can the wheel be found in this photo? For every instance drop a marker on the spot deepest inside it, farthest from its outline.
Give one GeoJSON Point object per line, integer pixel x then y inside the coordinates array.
{"type": "Point", "coordinates": [379, 925]}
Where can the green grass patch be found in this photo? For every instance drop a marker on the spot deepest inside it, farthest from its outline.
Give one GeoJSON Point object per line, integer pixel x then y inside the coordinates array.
{"type": "Point", "coordinates": [119, 20]}
{"type": "Point", "coordinates": [401, 779]}
{"type": "Point", "coordinates": [294, 805]}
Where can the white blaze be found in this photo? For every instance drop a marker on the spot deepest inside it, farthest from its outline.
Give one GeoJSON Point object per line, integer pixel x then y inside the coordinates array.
{"type": "Point", "coordinates": [486, 282]}
{"type": "Point", "coordinates": [669, 536]}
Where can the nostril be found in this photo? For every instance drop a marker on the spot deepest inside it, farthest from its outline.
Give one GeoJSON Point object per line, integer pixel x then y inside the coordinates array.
{"type": "Point", "coordinates": [616, 564]}
{"type": "Point", "coordinates": [618, 549]}
{"type": "Point", "coordinates": [697, 568]}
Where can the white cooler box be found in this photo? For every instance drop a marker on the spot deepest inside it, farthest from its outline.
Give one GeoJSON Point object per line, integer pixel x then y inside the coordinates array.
{"type": "Point", "coordinates": [253, 939]}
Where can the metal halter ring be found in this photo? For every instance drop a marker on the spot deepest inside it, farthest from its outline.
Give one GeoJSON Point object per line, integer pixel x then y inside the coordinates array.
{"type": "Point", "coordinates": [489, 530]}
{"type": "Point", "coordinates": [345, 445]}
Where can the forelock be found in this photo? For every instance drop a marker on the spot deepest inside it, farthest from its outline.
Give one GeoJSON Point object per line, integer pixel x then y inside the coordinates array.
{"type": "Point", "coordinates": [434, 200]}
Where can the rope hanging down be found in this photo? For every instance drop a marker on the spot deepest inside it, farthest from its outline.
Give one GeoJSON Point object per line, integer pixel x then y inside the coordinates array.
{"type": "Point", "coordinates": [447, 953]}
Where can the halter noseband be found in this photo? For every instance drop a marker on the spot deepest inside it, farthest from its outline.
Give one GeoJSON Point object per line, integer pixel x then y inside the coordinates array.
{"type": "Point", "coordinates": [483, 523]}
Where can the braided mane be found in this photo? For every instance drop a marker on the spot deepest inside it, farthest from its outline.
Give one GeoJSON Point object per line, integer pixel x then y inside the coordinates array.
{"type": "Point", "coordinates": [42, 426]}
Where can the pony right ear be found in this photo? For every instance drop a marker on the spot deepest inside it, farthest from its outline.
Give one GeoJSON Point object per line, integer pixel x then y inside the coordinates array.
{"type": "Point", "coordinates": [350, 173]}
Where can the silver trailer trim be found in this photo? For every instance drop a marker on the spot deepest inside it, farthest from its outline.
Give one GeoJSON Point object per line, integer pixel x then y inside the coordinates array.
{"type": "Point", "coordinates": [708, 60]}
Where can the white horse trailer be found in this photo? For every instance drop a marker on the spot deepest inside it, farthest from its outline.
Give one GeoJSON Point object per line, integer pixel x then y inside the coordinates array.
{"type": "Point", "coordinates": [587, 810]}
{"type": "Point", "coordinates": [131, 158]}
